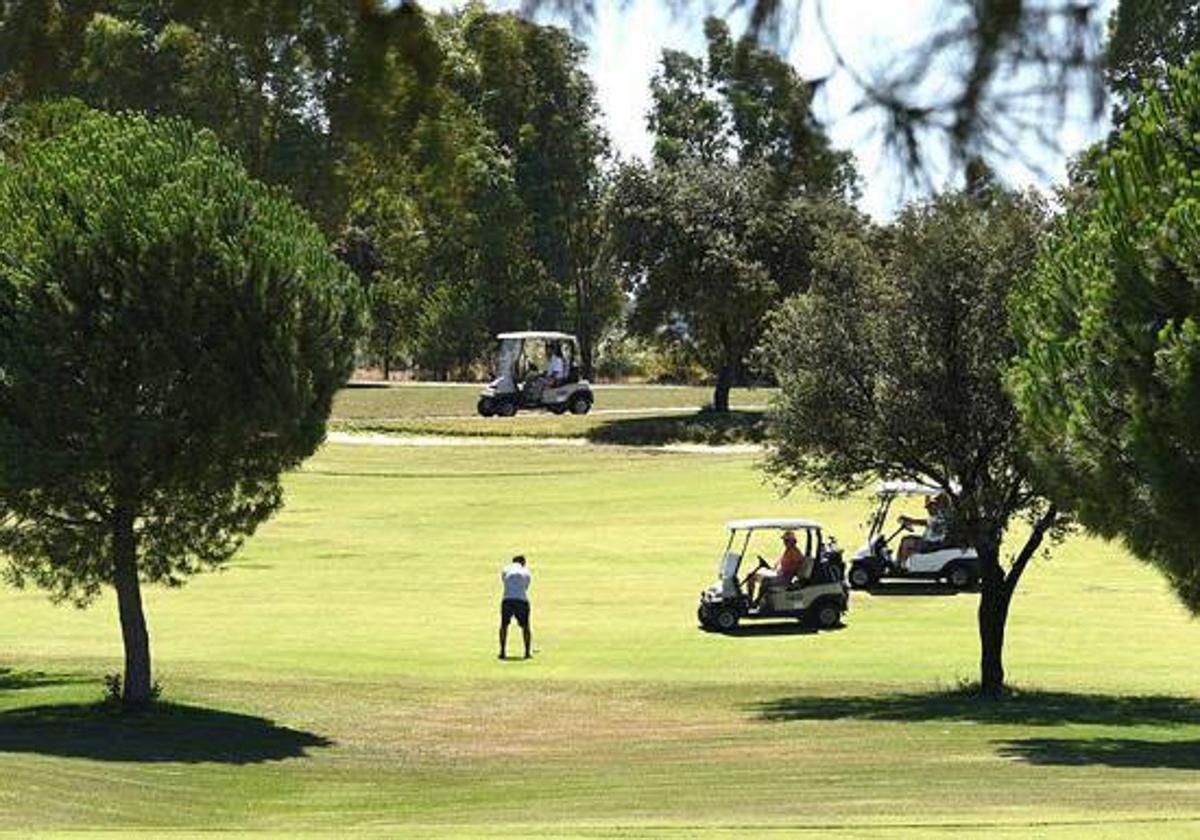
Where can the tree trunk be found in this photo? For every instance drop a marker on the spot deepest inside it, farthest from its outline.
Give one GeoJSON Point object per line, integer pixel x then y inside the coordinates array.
{"type": "Point", "coordinates": [387, 367]}
{"type": "Point", "coordinates": [994, 598]}
{"type": "Point", "coordinates": [585, 359]}
{"type": "Point", "coordinates": [136, 683]}
{"type": "Point", "coordinates": [583, 324]}
{"type": "Point", "coordinates": [724, 384]}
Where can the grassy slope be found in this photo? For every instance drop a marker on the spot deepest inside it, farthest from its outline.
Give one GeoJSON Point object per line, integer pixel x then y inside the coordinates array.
{"type": "Point", "coordinates": [350, 649]}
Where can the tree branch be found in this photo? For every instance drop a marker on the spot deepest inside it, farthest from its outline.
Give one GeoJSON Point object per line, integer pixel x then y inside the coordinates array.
{"type": "Point", "coordinates": [1044, 524]}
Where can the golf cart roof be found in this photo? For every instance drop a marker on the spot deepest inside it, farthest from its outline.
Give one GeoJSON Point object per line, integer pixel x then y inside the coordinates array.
{"type": "Point", "coordinates": [772, 524]}
{"type": "Point", "coordinates": [536, 334]}
{"type": "Point", "coordinates": [907, 488]}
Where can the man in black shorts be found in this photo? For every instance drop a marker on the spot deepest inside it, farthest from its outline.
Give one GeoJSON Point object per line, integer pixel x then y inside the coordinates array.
{"type": "Point", "coordinates": [515, 603]}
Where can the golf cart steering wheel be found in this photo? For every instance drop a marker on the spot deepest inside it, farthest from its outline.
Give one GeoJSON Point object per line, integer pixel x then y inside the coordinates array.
{"type": "Point", "coordinates": [761, 561]}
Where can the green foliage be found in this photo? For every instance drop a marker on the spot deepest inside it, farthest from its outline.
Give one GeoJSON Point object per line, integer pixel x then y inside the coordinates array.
{"type": "Point", "coordinates": [171, 336]}
{"type": "Point", "coordinates": [284, 84]}
{"type": "Point", "coordinates": [496, 188]}
{"type": "Point", "coordinates": [892, 365]}
{"type": "Point", "coordinates": [458, 155]}
{"type": "Point", "coordinates": [1145, 39]}
{"type": "Point", "coordinates": [1108, 381]}
{"type": "Point", "coordinates": [744, 102]}
{"type": "Point", "coordinates": [707, 249]}
{"type": "Point", "coordinates": [721, 227]}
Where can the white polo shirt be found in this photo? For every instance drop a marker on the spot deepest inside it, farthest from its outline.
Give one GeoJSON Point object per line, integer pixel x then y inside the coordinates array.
{"type": "Point", "coordinates": [516, 582]}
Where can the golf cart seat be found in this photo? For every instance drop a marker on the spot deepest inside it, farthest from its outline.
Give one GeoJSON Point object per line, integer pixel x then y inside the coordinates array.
{"type": "Point", "coordinates": [827, 571]}
{"type": "Point", "coordinates": [798, 582]}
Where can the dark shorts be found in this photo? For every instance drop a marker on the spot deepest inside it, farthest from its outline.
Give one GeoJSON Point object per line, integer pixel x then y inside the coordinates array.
{"type": "Point", "coordinates": [511, 608]}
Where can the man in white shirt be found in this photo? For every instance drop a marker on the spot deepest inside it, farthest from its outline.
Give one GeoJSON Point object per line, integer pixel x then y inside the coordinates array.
{"type": "Point", "coordinates": [556, 366]}
{"type": "Point", "coordinates": [515, 603]}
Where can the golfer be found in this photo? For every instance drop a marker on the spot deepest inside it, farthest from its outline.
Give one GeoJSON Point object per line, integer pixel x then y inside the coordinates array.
{"type": "Point", "coordinates": [515, 604]}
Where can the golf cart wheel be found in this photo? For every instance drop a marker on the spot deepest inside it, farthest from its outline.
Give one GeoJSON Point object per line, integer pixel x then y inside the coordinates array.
{"type": "Point", "coordinates": [960, 576]}
{"type": "Point", "coordinates": [827, 615]}
{"type": "Point", "coordinates": [705, 619]}
{"type": "Point", "coordinates": [580, 404]}
{"type": "Point", "coordinates": [861, 577]}
{"type": "Point", "coordinates": [725, 619]}
{"type": "Point", "coordinates": [506, 408]}
{"type": "Point", "coordinates": [486, 407]}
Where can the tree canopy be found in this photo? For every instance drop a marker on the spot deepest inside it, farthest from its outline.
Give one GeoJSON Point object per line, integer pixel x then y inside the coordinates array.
{"type": "Point", "coordinates": [1108, 380]}
{"type": "Point", "coordinates": [1145, 39]}
{"type": "Point", "coordinates": [283, 84]}
{"type": "Point", "coordinates": [463, 149]}
{"type": "Point", "coordinates": [892, 366]}
{"type": "Point", "coordinates": [484, 215]}
{"type": "Point", "coordinates": [719, 228]}
{"type": "Point", "coordinates": [171, 336]}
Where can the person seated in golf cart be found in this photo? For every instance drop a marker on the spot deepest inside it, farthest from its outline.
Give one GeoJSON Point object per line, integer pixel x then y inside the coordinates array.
{"type": "Point", "coordinates": [554, 375]}
{"type": "Point", "coordinates": [793, 563]}
{"type": "Point", "coordinates": [934, 525]}
{"type": "Point", "coordinates": [556, 365]}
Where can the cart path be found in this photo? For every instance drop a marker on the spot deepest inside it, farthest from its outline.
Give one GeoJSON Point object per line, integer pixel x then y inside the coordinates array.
{"type": "Point", "coordinates": [375, 439]}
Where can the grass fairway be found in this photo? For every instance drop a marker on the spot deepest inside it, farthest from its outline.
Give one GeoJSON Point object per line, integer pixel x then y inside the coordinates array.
{"type": "Point", "coordinates": [341, 675]}
{"type": "Point", "coordinates": [425, 400]}
{"type": "Point", "coordinates": [639, 415]}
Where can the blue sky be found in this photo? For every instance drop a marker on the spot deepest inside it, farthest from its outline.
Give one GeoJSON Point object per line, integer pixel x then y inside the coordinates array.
{"type": "Point", "coordinates": [627, 38]}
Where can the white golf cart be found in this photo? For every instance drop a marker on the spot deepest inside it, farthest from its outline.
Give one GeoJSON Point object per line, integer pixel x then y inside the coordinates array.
{"type": "Point", "coordinates": [932, 559]}
{"type": "Point", "coordinates": [819, 601]}
{"type": "Point", "coordinates": [522, 376]}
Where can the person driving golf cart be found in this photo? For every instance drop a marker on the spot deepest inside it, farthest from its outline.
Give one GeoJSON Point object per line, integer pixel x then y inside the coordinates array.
{"type": "Point", "coordinates": [536, 369]}
{"type": "Point", "coordinates": [936, 554]}
{"type": "Point", "coordinates": [934, 525]}
{"type": "Point", "coordinates": [554, 375]}
{"type": "Point", "coordinates": [806, 583]}
{"type": "Point", "coordinates": [793, 563]}
{"type": "Point", "coordinates": [556, 366]}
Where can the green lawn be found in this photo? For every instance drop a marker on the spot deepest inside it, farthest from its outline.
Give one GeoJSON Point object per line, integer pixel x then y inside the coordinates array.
{"type": "Point", "coordinates": [635, 415]}
{"type": "Point", "coordinates": [341, 674]}
{"type": "Point", "coordinates": [401, 401]}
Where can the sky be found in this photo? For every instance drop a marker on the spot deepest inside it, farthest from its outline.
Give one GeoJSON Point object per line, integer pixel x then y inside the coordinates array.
{"type": "Point", "coordinates": [626, 39]}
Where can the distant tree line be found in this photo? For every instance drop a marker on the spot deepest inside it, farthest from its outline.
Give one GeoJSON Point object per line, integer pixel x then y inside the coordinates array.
{"type": "Point", "coordinates": [456, 160]}
{"type": "Point", "coordinates": [459, 164]}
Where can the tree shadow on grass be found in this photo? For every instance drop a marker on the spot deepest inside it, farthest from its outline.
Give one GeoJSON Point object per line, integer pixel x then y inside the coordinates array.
{"type": "Point", "coordinates": [902, 590]}
{"type": "Point", "coordinates": [774, 628]}
{"type": "Point", "coordinates": [11, 680]}
{"type": "Point", "coordinates": [167, 732]}
{"type": "Point", "coordinates": [1109, 752]}
{"type": "Point", "coordinates": [712, 428]}
{"type": "Point", "coordinates": [1038, 708]}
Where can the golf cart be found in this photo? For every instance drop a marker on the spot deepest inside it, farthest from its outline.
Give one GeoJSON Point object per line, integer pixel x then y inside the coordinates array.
{"type": "Point", "coordinates": [956, 564]}
{"type": "Point", "coordinates": [818, 601]}
{"type": "Point", "coordinates": [521, 384]}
